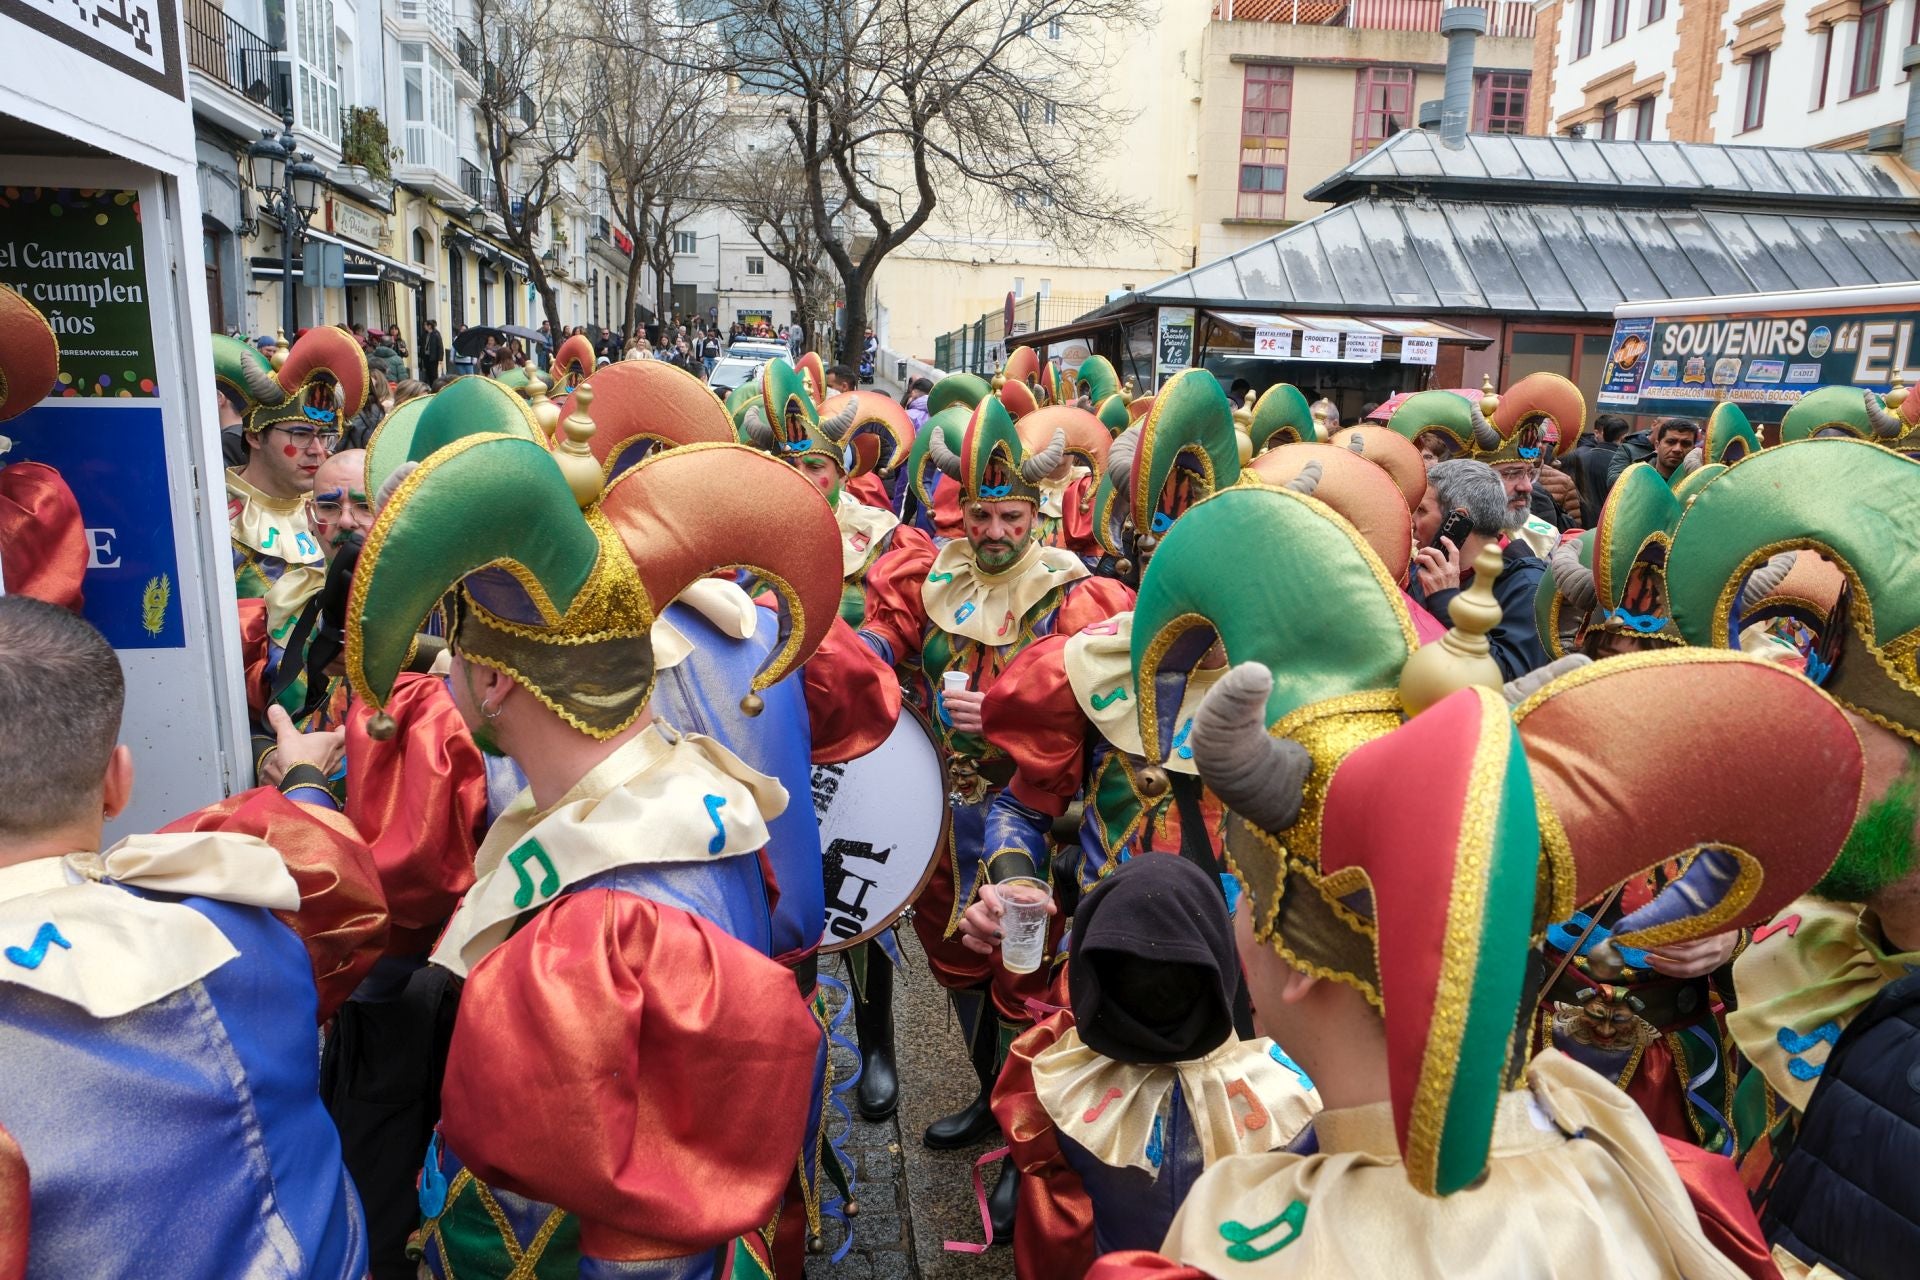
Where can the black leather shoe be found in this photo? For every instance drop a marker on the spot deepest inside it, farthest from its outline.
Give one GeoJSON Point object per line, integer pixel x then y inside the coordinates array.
{"type": "Point", "coordinates": [964, 1127]}
{"type": "Point", "coordinates": [1001, 1202]}
{"type": "Point", "coordinates": [878, 1092]}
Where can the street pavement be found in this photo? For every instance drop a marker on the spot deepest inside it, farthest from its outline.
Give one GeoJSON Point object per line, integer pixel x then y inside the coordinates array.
{"type": "Point", "coordinates": [913, 1200]}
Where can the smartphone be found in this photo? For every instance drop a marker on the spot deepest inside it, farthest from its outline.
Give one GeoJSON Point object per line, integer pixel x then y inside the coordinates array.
{"type": "Point", "coordinates": [1456, 526]}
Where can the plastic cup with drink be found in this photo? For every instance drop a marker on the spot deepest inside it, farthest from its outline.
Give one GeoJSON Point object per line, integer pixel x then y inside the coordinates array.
{"type": "Point", "coordinates": [951, 682]}
{"type": "Point", "coordinates": [1023, 922]}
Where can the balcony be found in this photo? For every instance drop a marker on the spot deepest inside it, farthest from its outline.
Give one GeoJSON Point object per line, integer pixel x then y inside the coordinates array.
{"type": "Point", "coordinates": [1506, 19]}
{"type": "Point", "coordinates": [481, 189]}
{"type": "Point", "coordinates": [433, 18]}
{"type": "Point", "coordinates": [222, 51]}
{"type": "Point", "coordinates": [467, 57]}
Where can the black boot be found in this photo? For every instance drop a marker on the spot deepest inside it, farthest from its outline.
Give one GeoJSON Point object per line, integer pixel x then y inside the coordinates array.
{"type": "Point", "coordinates": [974, 1121]}
{"type": "Point", "coordinates": [878, 1092]}
{"type": "Point", "coordinates": [1001, 1202]}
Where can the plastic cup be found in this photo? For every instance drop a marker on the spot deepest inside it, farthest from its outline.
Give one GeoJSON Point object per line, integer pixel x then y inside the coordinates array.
{"type": "Point", "coordinates": [953, 682]}
{"type": "Point", "coordinates": [1023, 923]}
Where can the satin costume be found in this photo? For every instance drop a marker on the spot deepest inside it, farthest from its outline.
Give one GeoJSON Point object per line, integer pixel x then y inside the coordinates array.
{"type": "Point", "coordinates": [43, 543]}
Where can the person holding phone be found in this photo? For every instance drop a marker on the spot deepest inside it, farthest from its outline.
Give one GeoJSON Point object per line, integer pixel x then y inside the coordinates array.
{"type": "Point", "coordinates": [1464, 509]}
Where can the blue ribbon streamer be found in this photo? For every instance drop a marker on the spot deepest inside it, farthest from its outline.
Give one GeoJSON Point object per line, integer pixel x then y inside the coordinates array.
{"type": "Point", "coordinates": [1713, 1069]}
{"type": "Point", "coordinates": [830, 1204]}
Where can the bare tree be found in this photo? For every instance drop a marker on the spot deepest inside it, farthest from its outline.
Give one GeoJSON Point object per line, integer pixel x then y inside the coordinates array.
{"type": "Point", "coordinates": [659, 116]}
{"type": "Point", "coordinates": [530, 120]}
{"type": "Point", "coordinates": [976, 107]}
{"type": "Point", "coordinates": [768, 190]}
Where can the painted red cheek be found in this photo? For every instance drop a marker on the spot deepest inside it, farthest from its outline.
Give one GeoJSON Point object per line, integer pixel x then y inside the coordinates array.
{"type": "Point", "coordinates": [289, 450]}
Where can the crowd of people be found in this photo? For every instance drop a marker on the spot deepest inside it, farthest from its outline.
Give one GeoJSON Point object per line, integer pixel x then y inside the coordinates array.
{"type": "Point", "coordinates": [1478, 842]}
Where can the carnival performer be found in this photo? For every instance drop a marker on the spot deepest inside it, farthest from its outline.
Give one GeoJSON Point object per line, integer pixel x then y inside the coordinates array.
{"type": "Point", "coordinates": [1115, 1106]}
{"type": "Point", "coordinates": [43, 544]}
{"type": "Point", "coordinates": [157, 1063]}
{"type": "Point", "coordinates": [983, 599]}
{"type": "Point", "coordinates": [1067, 497]}
{"type": "Point", "coordinates": [1388, 947]}
{"type": "Point", "coordinates": [590, 951]}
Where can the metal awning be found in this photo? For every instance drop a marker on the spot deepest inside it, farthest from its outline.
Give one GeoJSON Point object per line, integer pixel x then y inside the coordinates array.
{"type": "Point", "coordinates": [378, 259]}
{"type": "Point", "coordinates": [1390, 330]}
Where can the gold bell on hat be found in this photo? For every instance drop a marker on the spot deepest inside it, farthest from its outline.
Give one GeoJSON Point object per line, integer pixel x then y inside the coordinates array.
{"type": "Point", "coordinates": [575, 457]}
{"type": "Point", "coordinates": [1489, 401]}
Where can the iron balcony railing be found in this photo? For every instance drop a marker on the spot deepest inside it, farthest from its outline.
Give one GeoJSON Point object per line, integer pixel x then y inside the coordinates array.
{"type": "Point", "coordinates": [222, 49]}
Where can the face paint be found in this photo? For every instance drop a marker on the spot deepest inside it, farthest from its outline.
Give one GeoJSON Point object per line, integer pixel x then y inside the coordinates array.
{"type": "Point", "coordinates": [1879, 851]}
{"type": "Point", "coordinates": [289, 450]}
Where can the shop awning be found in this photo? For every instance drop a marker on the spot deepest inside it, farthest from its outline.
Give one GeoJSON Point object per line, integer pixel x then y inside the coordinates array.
{"type": "Point", "coordinates": [1390, 330]}
{"type": "Point", "coordinates": [488, 249]}
{"type": "Point", "coordinates": [381, 262]}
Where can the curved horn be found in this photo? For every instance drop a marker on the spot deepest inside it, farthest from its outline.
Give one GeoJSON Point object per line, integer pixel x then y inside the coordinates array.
{"type": "Point", "coordinates": [1886, 426]}
{"type": "Point", "coordinates": [1765, 580]}
{"type": "Point", "coordinates": [942, 457]}
{"type": "Point", "coordinates": [1572, 579]}
{"type": "Point", "coordinates": [1307, 481]}
{"type": "Point", "coordinates": [262, 385]}
{"type": "Point", "coordinates": [1258, 776]}
{"type": "Point", "coordinates": [759, 431]}
{"type": "Point", "coordinates": [835, 428]}
{"type": "Point", "coordinates": [1120, 459]}
{"type": "Point", "coordinates": [1485, 434]}
{"type": "Point", "coordinates": [1039, 466]}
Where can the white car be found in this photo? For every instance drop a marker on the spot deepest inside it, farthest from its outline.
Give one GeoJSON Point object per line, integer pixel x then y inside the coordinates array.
{"type": "Point", "coordinates": [762, 349]}
{"type": "Point", "coordinates": [732, 370]}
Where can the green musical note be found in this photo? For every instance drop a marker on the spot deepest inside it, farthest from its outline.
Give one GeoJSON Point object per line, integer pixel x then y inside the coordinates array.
{"type": "Point", "coordinates": [1101, 701]}
{"type": "Point", "coordinates": [1240, 1237]}
{"type": "Point", "coordinates": [939, 577]}
{"type": "Point", "coordinates": [549, 883]}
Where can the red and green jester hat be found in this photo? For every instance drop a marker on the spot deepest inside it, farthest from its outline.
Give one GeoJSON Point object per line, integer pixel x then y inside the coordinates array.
{"type": "Point", "coordinates": [556, 578]}
{"type": "Point", "coordinates": [1183, 451]}
{"type": "Point", "coordinates": [1419, 903]}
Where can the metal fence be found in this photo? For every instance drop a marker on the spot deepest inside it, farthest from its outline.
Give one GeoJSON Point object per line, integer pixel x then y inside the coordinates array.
{"type": "Point", "coordinates": [981, 347]}
{"type": "Point", "coordinates": [221, 48]}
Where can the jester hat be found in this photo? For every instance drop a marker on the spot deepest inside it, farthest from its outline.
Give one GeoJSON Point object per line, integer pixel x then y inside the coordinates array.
{"type": "Point", "coordinates": [1180, 453]}
{"type": "Point", "coordinates": [1730, 436]}
{"type": "Point", "coordinates": [639, 406]}
{"type": "Point", "coordinates": [1566, 585]}
{"type": "Point", "coordinates": [950, 425]}
{"type": "Point", "coordinates": [1088, 442]}
{"type": "Point", "coordinates": [1855, 504]}
{"type": "Point", "coordinates": [561, 595]}
{"type": "Point", "coordinates": [994, 464]}
{"type": "Point", "coordinates": [1282, 416]}
{"type": "Point", "coordinates": [238, 367]}
{"type": "Point", "coordinates": [880, 432]}
{"type": "Point", "coordinates": [1632, 541]}
{"type": "Point", "coordinates": [572, 364]}
{"type": "Point", "coordinates": [1543, 411]}
{"type": "Point", "coordinates": [322, 384]}
{"type": "Point", "coordinates": [1363, 494]}
{"type": "Point", "coordinates": [42, 535]}
{"type": "Point", "coordinates": [814, 372]}
{"type": "Point", "coordinates": [738, 399]}
{"type": "Point", "coordinates": [1018, 384]}
{"type": "Point", "coordinates": [29, 355]}
{"type": "Point", "coordinates": [422, 426]}
{"type": "Point", "coordinates": [1840, 411]}
{"type": "Point", "coordinates": [1095, 380]}
{"type": "Point", "coordinates": [964, 389]}
{"type": "Point", "coordinates": [1392, 453]}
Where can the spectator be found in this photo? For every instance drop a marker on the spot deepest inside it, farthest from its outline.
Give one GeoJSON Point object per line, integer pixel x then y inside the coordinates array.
{"type": "Point", "coordinates": [1644, 446]}
{"type": "Point", "coordinates": [461, 363]}
{"type": "Point", "coordinates": [408, 389]}
{"type": "Point", "coordinates": [433, 349]}
{"type": "Point", "coordinates": [839, 379]}
{"type": "Point", "coordinates": [709, 352]}
{"type": "Point", "coordinates": [379, 400]}
{"type": "Point", "coordinates": [639, 349]}
{"type": "Point", "coordinates": [359, 332]}
{"type": "Point", "coordinates": [915, 399]}
{"type": "Point", "coordinates": [1444, 569]}
{"type": "Point", "coordinates": [233, 444]}
{"type": "Point", "coordinates": [1588, 464]}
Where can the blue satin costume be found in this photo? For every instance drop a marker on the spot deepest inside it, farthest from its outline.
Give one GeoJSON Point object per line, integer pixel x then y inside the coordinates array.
{"type": "Point", "coordinates": [185, 1139]}
{"type": "Point", "coordinates": [1132, 1209]}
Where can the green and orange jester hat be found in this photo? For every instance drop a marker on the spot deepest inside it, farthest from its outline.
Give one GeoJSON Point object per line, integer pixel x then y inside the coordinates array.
{"type": "Point", "coordinates": [320, 387]}
{"type": "Point", "coordinates": [1018, 384]}
{"type": "Point", "coordinates": [1183, 451]}
{"type": "Point", "coordinates": [785, 422]}
{"type": "Point", "coordinates": [1496, 429]}
{"type": "Point", "coordinates": [1430, 907]}
{"type": "Point", "coordinates": [572, 364]}
{"type": "Point", "coordinates": [1892, 423]}
{"type": "Point", "coordinates": [1282, 416]}
{"type": "Point", "coordinates": [994, 464]}
{"type": "Point", "coordinates": [557, 574]}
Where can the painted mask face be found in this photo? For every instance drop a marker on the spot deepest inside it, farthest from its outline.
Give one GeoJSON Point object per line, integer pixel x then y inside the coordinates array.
{"type": "Point", "coordinates": [998, 532]}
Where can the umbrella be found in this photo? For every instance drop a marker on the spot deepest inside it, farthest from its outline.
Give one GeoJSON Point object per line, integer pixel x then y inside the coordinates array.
{"type": "Point", "coordinates": [1385, 408]}
{"type": "Point", "coordinates": [474, 341]}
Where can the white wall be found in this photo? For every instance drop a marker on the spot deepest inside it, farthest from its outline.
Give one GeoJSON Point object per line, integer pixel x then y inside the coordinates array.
{"type": "Point", "coordinates": [1792, 120]}
{"type": "Point", "coordinates": [1650, 47]}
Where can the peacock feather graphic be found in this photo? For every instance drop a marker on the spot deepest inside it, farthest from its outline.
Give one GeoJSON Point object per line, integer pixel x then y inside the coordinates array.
{"type": "Point", "coordinates": [154, 602]}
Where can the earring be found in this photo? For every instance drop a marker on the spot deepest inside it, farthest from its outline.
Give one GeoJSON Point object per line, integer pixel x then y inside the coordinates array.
{"type": "Point", "coordinates": [490, 713]}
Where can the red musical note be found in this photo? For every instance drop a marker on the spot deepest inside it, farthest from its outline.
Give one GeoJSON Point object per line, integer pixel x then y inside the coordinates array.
{"type": "Point", "coordinates": [1093, 1112]}
{"type": "Point", "coordinates": [1789, 923]}
{"type": "Point", "coordinates": [1006, 625]}
{"type": "Point", "coordinates": [1256, 1117]}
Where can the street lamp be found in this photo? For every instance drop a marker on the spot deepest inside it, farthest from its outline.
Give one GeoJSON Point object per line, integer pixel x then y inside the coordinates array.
{"type": "Point", "coordinates": [289, 184]}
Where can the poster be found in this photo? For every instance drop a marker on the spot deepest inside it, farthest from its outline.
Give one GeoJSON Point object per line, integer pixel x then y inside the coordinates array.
{"type": "Point", "coordinates": [1419, 351]}
{"type": "Point", "coordinates": [1363, 347]}
{"type": "Point", "coordinates": [1318, 345]}
{"type": "Point", "coordinates": [1175, 346]}
{"type": "Point", "coordinates": [1273, 343]}
{"type": "Point", "coordinates": [1763, 362]}
{"type": "Point", "coordinates": [77, 256]}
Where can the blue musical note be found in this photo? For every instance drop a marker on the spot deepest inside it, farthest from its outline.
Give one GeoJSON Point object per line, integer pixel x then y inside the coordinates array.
{"type": "Point", "coordinates": [719, 841]}
{"type": "Point", "coordinates": [964, 612]}
{"type": "Point", "coordinates": [1180, 747]}
{"type": "Point", "coordinates": [433, 1182]}
{"type": "Point", "coordinates": [1827, 1032]}
{"type": "Point", "coordinates": [30, 957]}
{"type": "Point", "coordinates": [1279, 1055]}
{"type": "Point", "coordinates": [1156, 1148]}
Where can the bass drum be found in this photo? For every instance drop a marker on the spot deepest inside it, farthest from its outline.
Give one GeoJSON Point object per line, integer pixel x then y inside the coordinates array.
{"type": "Point", "coordinates": [883, 826]}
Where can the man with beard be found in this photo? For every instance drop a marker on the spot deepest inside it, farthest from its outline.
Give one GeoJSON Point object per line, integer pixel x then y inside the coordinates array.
{"type": "Point", "coordinates": [982, 600]}
{"type": "Point", "coordinates": [1443, 569]}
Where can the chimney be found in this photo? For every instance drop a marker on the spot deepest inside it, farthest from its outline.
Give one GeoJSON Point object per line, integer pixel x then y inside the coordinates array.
{"type": "Point", "coordinates": [1428, 116]}
{"type": "Point", "coordinates": [1462, 25]}
{"type": "Point", "coordinates": [1910, 142]}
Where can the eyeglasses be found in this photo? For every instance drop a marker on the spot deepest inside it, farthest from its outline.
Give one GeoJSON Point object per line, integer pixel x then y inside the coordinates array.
{"type": "Point", "coordinates": [329, 510]}
{"type": "Point", "coordinates": [303, 437]}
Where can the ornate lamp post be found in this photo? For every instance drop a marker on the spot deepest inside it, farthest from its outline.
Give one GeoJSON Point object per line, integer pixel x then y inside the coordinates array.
{"type": "Point", "coordinates": [289, 184]}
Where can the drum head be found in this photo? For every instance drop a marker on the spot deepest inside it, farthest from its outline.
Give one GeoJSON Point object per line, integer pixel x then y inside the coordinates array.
{"type": "Point", "coordinates": [883, 825]}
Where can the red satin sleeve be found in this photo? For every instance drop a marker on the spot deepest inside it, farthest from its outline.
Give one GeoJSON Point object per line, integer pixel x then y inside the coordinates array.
{"type": "Point", "coordinates": [421, 798]}
{"type": "Point", "coordinates": [343, 916]}
{"type": "Point", "coordinates": [43, 544]}
{"type": "Point", "coordinates": [1031, 714]}
{"type": "Point", "coordinates": [871, 490]}
{"type": "Point", "coordinates": [1053, 1232]}
{"type": "Point", "coordinates": [1092, 600]}
{"type": "Point", "coordinates": [895, 612]}
{"type": "Point", "coordinates": [948, 523]}
{"type": "Point", "coordinates": [636, 1067]}
{"type": "Point", "coordinates": [1138, 1264]}
{"type": "Point", "coordinates": [16, 1209]}
{"type": "Point", "coordinates": [1076, 518]}
{"type": "Point", "coordinates": [853, 699]}
{"type": "Point", "coordinates": [253, 657]}
{"type": "Point", "coordinates": [1720, 1202]}
{"type": "Point", "coordinates": [912, 544]}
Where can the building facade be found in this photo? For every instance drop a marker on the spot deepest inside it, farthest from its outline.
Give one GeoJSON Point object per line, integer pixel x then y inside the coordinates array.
{"type": "Point", "coordinates": [1796, 73]}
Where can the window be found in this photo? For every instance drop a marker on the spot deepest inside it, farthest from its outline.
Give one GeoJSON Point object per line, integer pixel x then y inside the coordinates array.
{"type": "Point", "coordinates": [1266, 117]}
{"type": "Point", "coordinates": [1046, 286]}
{"type": "Point", "coordinates": [427, 111]}
{"type": "Point", "coordinates": [1019, 286]}
{"type": "Point", "coordinates": [1382, 107]}
{"type": "Point", "coordinates": [1583, 29]}
{"type": "Point", "coordinates": [1643, 119]}
{"type": "Point", "coordinates": [1617, 23]}
{"type": "Point", "coordinates": [1022, 109]}
{"type": "Point", "coordinates": [1609, 120]}
{"type": "Point", "coordinates": [686, 242]}
{"type": "Point", "coordinates": [1869, 43]}
{"type": "Point", "coordinates": [316, 76]}
{"type": "Point", "coordinates": [1500, 102]}
{"type": "Point", "coordinates": [1753, 111]}
{"type": "Point", "coordinates": [1656, 10]}
{"type": "Point", "coordinates": [756, 266]}
{"type": "Point", "coordinates": [1047, 111]}
{"type": "Point", "coordinates": [1825, 39]}
{"type": "Point", "coordinates": [1053, 28]}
